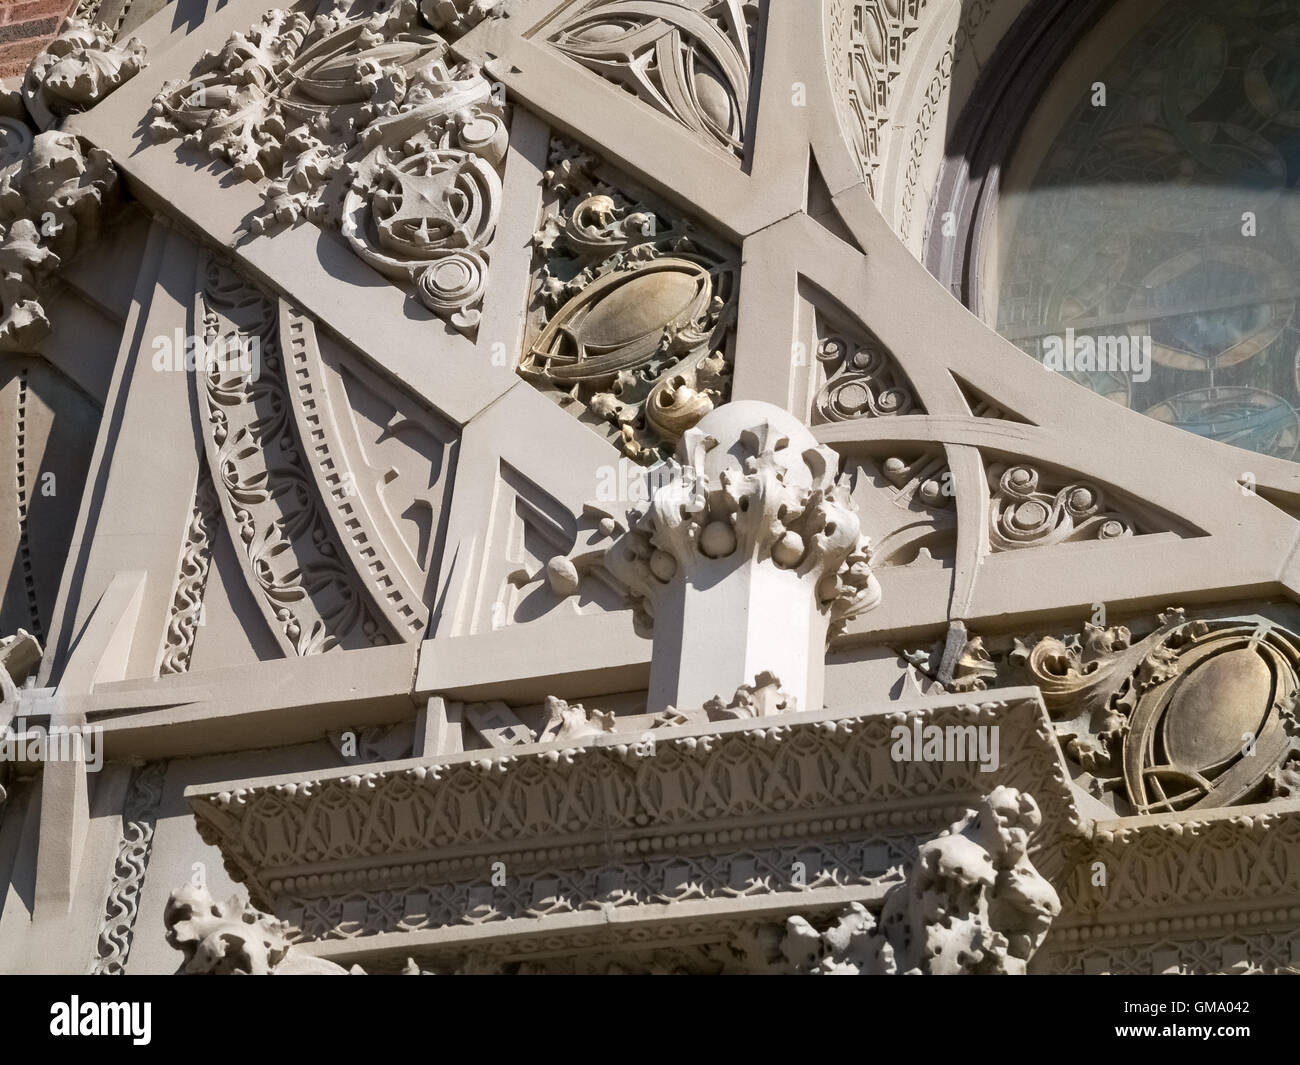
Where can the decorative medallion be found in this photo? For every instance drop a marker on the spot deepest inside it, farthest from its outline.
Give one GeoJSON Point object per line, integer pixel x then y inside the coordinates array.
{"type": "Point", "coordinates": [633, 310]}
{"type": "Point", "coordinates": [367, 123]}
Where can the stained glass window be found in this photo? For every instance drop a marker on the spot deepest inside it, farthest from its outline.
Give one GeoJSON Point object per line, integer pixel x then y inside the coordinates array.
{"type": "Point", "coordinates": [1148, 230]}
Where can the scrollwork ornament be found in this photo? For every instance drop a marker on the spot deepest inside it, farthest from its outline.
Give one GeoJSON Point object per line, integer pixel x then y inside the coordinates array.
{"type": "Point", "coordinates": [1195, 715]}
{"type": "Point", "coordinates": [1026, 512]}
{"type": "Point", "coordinates": [367, 123]}
{"type": "Point", "coordinates": [863, 382]}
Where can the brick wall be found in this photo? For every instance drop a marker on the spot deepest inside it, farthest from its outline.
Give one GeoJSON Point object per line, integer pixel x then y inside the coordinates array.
{"type": "Point", "coordinates": [25, 27]}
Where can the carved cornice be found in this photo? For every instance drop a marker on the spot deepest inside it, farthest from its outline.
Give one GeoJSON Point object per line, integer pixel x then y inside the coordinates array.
{"type": "Point", "coordinates": [701, 815]}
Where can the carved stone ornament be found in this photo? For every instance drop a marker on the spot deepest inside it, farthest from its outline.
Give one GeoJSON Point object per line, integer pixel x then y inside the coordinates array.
{"type": "Point", "coordinates": [633, 310]}
{"type": "Point", "coordinates": [233, 938]}
{"type": "Point", "coordinates": [1028, 509]}
{"type": "Point", "coordinates": [1197, 714]}
{"type": "Point", "coordinates": [50, 205]}
{"type": "Point", "coordinates": [751, 523]}
{"type": "Point", "coordinates": [866, 43]}
{"type": "Point", "coordinates": [688, 60]}
{"type": "Point", "coordinates": [298, 570]}
{"type": "Point", "coordinates": [367, 123]}
{"type": "Point", "coordinates": [752, 486]}
{"type": "Point", "coordinates": [862, 381]}
{"type": "Point", "coordinates": [972, 903]}
{"type": "Point", "coordinates": [77, 70]}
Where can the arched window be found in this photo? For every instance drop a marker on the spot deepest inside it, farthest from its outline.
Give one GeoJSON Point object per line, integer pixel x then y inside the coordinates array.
{"type": "Point", "coordinates": [1136, 227]}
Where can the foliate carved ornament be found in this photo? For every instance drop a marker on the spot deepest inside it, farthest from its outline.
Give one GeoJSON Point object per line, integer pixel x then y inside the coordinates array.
{"type": "Point", "coordinates": [758, 501]}
{"type": "Point", "coordinates": [572, 722]}
{"type": "Point", "coordinates": [50, 206]}
{"type": "Point", "coordinates": [689, 59]}
{"type": "Point", "coordinates": [1196, 715]}
{"type": "Point", "coordinates": [633, 310]}
{"type": "Point", "coordinates": [1031, 509]}
{"type": "Point", "coordinates": [297, 568]}
{"type": "Point", "coordinates": [972, 903]}
{"type": "Point", "coordinates": [862, 381]}
{"type": "Point", "coordinates": [228, 938]}
{"type": "Point", "coordinates": [77, 70]}
{"type": "Point", "coordinates": [367, 123]}
{"type": "Point", "coordinates": [308, 848]}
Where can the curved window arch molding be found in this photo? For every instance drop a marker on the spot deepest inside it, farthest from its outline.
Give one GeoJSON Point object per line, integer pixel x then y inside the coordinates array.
{"type": "Point", "coordinates": [1121, 209]}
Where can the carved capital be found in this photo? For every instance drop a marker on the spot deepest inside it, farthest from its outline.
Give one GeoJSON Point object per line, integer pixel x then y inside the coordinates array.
{"type": "Point", "coordinates": [746, 560]}
{"type": "Point", "coordinates": [751, 487]}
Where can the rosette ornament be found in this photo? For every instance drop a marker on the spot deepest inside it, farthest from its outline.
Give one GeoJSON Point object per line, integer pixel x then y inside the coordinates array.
{"type": "Point", "coordinates": [747, 560]}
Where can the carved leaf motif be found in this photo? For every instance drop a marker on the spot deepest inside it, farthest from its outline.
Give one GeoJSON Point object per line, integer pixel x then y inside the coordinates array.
{"type": "Point", "coordinates": [77, 70]}
{"type": "Point", "coordinates": [633, 310]}
{"type": "Point", "coordinates": [367, 123]}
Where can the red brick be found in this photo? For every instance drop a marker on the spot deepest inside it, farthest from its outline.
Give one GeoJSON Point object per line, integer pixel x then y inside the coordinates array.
{"type": "Point", "coordinates": [16, 55]}
{"type": "Point", "coordinates": [32, 9]}
{"type": "Point", "coordinates": [21, 31]}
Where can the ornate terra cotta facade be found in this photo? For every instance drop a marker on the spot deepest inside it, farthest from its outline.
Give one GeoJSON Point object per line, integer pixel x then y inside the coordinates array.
{"type": "Point", "coordinates": [512, 486]}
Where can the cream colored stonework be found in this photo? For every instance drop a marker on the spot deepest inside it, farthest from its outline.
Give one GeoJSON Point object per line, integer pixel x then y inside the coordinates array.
{"type": "Point", "coordinates": [491, 488]}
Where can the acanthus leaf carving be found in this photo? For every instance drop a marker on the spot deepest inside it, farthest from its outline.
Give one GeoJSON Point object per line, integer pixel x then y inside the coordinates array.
{"type": "Point", "coordinates": [972, 903]}
{"type": "Point", "coordinates": [776, 506]}
{"type": "Point", "coordinates": [50, 207]}
{"type": "Point", "coordinates": [365, 123]}
{"type": "Point", "coordinates": [77, 70]}
{"type": "Point", "coordinates": [233, 937]}
{"type": "Point", "coordinates": [1191, 713]}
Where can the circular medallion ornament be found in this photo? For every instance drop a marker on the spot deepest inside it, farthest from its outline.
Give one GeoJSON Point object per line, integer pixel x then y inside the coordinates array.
{"type": "Point", "coordinates": [1210, 725]}
{"type": "Point", "coordinates": [428, 217]}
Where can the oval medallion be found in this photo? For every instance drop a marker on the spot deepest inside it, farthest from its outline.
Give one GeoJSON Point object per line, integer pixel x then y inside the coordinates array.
{"type": "Point", "coordinates": [1217, 704]}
